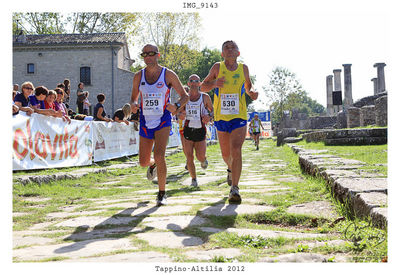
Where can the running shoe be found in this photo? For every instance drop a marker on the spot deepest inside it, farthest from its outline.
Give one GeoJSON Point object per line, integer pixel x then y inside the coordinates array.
{"type": "Point", "coordinates": [194, 183]}
{"type": "Point", "coordinates": [204, 164]}
{"type": "Point", "coordinates": [229, 177]}
{"type": "Point", "coordinates": [161, 199]}
{"type": "Point", "coordinates": [257, 148]}
{"type": "Point", "coordinates": [234, 196]}
{"type": "Point", "coordinates": [152, 172]}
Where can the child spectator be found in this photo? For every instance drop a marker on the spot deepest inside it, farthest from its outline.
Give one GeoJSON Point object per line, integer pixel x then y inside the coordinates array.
{"type": "Point", "coordinates": [36, 101]}
{"type": "Point", "coordinates": [22, 99]}
{"type": "Point", "coordinates": [60, 106]}
{"type": "Point", "coordinates": [99, 112]}
{"type": "Point", "coordinates": [122, 115]}
{"type": "Point", "coordinates": [86, 103]}
{"type": "Point", "coordinates": [119, 116]}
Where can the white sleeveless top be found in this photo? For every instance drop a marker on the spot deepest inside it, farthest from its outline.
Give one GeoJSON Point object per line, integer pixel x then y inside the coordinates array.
{"type": "Point", "coordinates": [154, 99]}
{"type": "Point", "coordinates": [194, 110]}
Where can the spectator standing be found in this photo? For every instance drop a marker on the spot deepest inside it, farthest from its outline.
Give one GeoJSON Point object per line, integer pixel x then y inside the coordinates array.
{"type": "Point", "coordinates": [22, 99]}
{"type": "Point", "coordinates": [99, 112]}
{"type": "Point", "coordinates": [67, 92]}
{"type": "Point", "coordinates": [80, 97]}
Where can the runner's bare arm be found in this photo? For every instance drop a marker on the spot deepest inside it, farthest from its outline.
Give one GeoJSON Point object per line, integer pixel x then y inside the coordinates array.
{"type": "Point", "coordinates": [248, 86]}
{"type": "Point", "coordinates": [173, 80]}
{"type": "Point", "coordinates": [208, 102]}
{"type": "Point", "coordinates": [211, 81]}
{"type": "Point", "coordinates": [208, 105]}
{"type": "Point", "coordinates": [135, 92]}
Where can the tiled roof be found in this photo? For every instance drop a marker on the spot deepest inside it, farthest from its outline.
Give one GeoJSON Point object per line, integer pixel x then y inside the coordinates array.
{"type": "Point", "coordinates": [69, 39]}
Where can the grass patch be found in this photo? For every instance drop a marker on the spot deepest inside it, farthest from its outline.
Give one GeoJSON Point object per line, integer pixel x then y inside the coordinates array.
{"type": "Point", "coordinates": [375, 156]}
{"type": "Point", "coordinates": [281, 217]}
{"type": "Point", "coordinates": [225, 239]}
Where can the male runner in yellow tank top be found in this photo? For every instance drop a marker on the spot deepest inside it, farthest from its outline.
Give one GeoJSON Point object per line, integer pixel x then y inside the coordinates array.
{"type": "Point", "coordinates": [231, 81]}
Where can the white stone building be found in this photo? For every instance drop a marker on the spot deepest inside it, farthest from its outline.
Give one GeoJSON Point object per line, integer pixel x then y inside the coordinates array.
{"type": "Point", "coordinates": [101, 61]}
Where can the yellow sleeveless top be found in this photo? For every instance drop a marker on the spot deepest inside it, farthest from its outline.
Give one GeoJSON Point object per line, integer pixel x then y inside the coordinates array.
{"type": "Point", "coordinates": [230, 101]}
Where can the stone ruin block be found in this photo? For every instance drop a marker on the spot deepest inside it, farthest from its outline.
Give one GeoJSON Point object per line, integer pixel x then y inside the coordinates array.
{"type": "Point", "coordinates": [367, 116]}
{"type": "Point", "coordinates": [381, 111]}
{"type": "Point", "coordinates": [286, 132]}
{"type": "Point", "coordinates": [341, 120]}
{"type": "Point", "coordinates": [353, 117]}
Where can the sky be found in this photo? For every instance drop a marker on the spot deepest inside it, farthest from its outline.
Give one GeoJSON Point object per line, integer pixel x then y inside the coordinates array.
{"type": "Point", "coordinates": [309, 45]}
{"type": "Point", "coordinates": [309, 37]}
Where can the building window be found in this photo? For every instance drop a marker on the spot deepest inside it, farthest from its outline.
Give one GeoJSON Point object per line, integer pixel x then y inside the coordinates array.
{"type": "Point", "coordinates": [30, 68]}
{"type": "Point", "coordinates": [85, 75]}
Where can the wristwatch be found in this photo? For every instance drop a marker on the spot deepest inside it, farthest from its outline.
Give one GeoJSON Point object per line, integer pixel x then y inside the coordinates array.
{"type": "Point", "coordinates": [178, 105]}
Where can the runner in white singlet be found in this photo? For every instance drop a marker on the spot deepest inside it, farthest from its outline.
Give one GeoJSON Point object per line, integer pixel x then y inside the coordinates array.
{"type": "Point", "coordinates": [198, 112]}
{"type": "Point", "coordinates": [153, 84]}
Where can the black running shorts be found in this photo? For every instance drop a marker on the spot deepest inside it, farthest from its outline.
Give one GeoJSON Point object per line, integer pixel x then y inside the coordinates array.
{"type": "Point", "coordinates": [194, 134]}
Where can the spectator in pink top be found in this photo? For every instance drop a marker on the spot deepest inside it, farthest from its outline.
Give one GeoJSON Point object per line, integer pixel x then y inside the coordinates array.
{"type": "Point", "coordinates": [60, 105]}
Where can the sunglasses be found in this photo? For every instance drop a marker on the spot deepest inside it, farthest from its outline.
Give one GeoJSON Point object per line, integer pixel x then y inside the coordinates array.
{"type": "Point", "coordinates": [28, 88]}
{"type": "Point", "coordinates": [148, 54]}
{"type": "Point", "coordinates": [194, 80]}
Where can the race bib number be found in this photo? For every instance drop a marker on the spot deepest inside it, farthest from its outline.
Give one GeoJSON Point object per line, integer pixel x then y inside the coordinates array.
{"type": "Point", "coordinates": [229, 104]}
{"type": "Point", "coordinates": [152, 104]}
{"type": "Point", "coordinates": [192, 112]}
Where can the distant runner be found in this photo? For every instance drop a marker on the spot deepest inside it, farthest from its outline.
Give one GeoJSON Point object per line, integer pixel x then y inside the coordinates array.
{"type": "Point", "coordinates": [254, 126]}
{"type": "Point", "coordinates": [231, 81]}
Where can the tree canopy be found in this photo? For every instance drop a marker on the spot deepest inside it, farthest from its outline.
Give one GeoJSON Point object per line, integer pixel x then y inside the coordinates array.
{"type": "Point", "coordinates": [77, 22]}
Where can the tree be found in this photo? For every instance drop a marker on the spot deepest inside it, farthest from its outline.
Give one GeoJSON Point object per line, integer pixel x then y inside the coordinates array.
{"type": "Point", "coordinates": [38, 23]}
{"type": "Point", "coordinates": [286, 92]}
{"type": "Point", "coordinates": [175, 35]}
{"type": "Point", "coordinates": [79, 22]}
{"type": "Point", "coordinates": [167, 29]}
{"type": "Point", "coordinates": [96, 22]}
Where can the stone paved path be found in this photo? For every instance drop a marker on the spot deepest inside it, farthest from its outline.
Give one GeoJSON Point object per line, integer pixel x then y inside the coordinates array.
{"type": "Point", "coordinates": [192, 227]}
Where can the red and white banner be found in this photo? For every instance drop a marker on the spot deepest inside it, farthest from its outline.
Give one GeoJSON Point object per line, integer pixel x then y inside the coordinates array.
{"type": "Point", "coordinates": [114, 140]}
{"type": "Point", "coordinates": [46, 142]}
{"type": "Point", "coordinates": [41, 142]}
